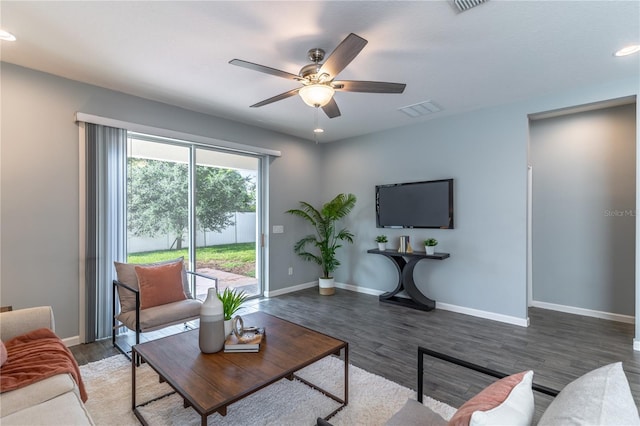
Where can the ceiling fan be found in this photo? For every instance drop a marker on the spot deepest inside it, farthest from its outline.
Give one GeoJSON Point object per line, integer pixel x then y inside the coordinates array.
{"type": "Point", "coordinates": [318, 79]}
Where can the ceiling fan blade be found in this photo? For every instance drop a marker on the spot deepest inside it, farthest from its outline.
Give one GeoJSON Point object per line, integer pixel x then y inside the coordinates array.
{"type": "Point", "coordinates": [343, 55]}
{"type": "Point", "coordinates": [276, 98]}
{"type": "Point", "coordinates": [331, 109]}
{"type": "Point", "coordinates": [264, 69]}
{"type": "Point", "coordinates": [368, 86]}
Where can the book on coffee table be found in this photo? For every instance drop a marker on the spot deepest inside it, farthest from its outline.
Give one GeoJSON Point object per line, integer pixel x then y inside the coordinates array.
{"type": "Point", "coordinates": [249, 341]}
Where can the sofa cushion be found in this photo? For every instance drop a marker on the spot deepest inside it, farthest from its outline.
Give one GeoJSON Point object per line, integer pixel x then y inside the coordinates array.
{"type": "Point", "coordinates": [415, 413]}
{"type": "Point", "coordinates": [64, 409]}
{"type": "Point", "coordinates": [163, 315]}
{"type": "Point", "coordinates": [126, 274]}
{"type": "Point", "coordinates": [600, 397]}
{"type": "Point", "coordinates": [3, 353]}
{"type": "Point", "coordinates": [35, 356]}
{"type": "Point", "coordinates": [36, 393]}
{"type": "Point", "coordinates": [509, 401]}
{"type": "Point", "coordinates": [160, 284]}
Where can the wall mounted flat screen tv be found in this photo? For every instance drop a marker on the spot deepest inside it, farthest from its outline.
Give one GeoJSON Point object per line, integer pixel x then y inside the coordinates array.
{"type": "Point", "coordinates": [426, 204]}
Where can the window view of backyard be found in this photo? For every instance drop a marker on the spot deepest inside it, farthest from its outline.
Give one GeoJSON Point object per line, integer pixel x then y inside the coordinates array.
{"type": "Point", "coordinates": [223, 201]}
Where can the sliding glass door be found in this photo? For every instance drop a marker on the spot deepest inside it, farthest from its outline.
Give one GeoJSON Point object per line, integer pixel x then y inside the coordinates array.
{"type": "Point", "coordinates": [227, 243]}
{"type": "Point", "coordinates": [197, 202]}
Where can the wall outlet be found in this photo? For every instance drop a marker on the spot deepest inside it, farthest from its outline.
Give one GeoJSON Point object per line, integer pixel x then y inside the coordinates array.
{"type": "Point", "coordinates": [278, 229]}
{"type": "Point", "coordinates": [290, 270]}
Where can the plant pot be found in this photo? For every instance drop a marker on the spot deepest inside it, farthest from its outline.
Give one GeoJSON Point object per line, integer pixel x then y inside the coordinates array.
{"type": "Point", "coordinates": [430, 249]}
{"type": "Point", "coordinates": [382, 246]}
{"type": "Point", "coordinates": [327, 286]}
{"type": "Point", "coordinates": [228, 326]}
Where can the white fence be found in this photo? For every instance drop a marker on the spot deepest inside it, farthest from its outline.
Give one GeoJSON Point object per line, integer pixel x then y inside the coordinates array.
{"type": "Point", "coordinates": [244, 231]}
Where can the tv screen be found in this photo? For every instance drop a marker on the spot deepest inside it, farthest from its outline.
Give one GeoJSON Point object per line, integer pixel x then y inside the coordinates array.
{"type": "Point", "coordinates": [426, 204]}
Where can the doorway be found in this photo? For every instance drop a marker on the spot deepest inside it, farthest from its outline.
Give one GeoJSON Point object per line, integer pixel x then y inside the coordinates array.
{"type": "Point", "coordinates": [582, 211]}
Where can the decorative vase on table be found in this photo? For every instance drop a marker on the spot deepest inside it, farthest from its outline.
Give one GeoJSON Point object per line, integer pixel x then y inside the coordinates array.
{"type": "Point", "coordinates": [382, 246]}
{"type": "Point", "coordinates": [211, 337]}
{"type": "Point", "coordinates": [430, 249]}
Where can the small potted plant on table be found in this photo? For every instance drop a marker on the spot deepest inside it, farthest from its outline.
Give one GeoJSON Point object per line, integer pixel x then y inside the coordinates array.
{"type": "Point", "coordinates": [231, 300]}
{"type": "Point", "coordinates": [382, 242]}
{"type": "Point", "coordinates": [430, 245]}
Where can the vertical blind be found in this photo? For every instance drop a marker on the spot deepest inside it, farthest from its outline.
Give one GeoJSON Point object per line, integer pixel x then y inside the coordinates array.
{"type": "Point", "coordinates": [106, 153]}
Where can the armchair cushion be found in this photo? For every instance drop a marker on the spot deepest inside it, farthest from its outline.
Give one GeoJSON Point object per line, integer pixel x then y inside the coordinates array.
{"type": "Point", "coordinates": [126, 274]}
{"type": "Point", "coordinates": [160, 284]}
{"type": "Point", "coordinates": [162, 316]}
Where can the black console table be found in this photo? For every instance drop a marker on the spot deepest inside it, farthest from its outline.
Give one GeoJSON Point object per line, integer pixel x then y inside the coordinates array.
{"type": "Point", "coordinates": [405, 279]}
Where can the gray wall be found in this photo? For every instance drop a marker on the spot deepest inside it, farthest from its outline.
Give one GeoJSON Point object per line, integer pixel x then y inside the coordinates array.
{"type": "Point", "coordinates": [486, 152]}
{"type": "Point", "coordinates": [584, 198]}
{"type": "Point", "coordinates": [39, 183]}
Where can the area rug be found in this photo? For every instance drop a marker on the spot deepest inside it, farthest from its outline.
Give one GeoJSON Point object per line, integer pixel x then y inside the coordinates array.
{"type": "Point", "coordinates": [372, 399]}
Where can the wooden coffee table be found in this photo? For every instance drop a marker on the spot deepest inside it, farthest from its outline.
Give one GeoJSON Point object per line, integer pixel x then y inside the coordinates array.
{"type": "Point", "coordinates": [211, 382]}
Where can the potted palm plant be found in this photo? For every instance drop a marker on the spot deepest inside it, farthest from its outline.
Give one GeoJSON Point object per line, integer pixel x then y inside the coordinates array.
{"type": "Point", "coordinates": [327, 237]}
{"type": "Point", "coordinates": [231, 300]}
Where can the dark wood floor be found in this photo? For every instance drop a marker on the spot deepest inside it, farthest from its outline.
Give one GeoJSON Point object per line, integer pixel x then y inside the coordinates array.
{"type": "Point", "coordinates": [383, 339]}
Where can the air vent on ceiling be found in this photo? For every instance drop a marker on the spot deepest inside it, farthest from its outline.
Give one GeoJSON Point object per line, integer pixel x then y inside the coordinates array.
{"type": "Point", "coordinates": [421, 109]}
{"type": "Point", "coordinates": [463, 5]}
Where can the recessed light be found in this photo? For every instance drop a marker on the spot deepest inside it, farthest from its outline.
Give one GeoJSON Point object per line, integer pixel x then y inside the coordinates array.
{"type": "Point", "coordinates": [629, 50]}
{"type": "Point", "coordinates": [318, 130]}
{"type": "Point", "coordinates": [7, 36]}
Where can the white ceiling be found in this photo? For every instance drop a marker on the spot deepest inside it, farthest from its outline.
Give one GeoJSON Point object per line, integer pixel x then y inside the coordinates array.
{"type": "Point", "coordinates": [178, 52]}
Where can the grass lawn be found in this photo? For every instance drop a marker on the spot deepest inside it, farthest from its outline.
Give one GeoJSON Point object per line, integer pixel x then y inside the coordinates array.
{"type": "Point", "coordinates": [236, 258]}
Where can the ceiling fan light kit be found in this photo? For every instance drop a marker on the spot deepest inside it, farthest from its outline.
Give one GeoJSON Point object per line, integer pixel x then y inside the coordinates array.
{"type": "Point", "coordinates": [316, 95]}
{"type": "Point", "coordinates": [318, 85]}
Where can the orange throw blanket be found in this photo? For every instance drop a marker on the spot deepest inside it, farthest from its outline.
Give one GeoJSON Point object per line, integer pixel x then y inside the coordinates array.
{"type": "Point", "coordinates": [35, 356]}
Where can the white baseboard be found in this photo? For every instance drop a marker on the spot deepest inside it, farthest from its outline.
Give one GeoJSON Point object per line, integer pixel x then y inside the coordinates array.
{"type": "Point", "coordinates": [290, 289]}
{"type": "Point", "coordinates": [311, 284]}
{"type": "Point", "coordinates": [522, 322]}
{"type": "Point", "coordinates": [585, 312]}
{"type": "Point", "coordinates": [447, 307]}
{"type": "Point", "coordinates": [71, 341]}
{"type": "Point", "coordinates": [357, 289]}
{"type": "Point", "coordinates": [636, 345]}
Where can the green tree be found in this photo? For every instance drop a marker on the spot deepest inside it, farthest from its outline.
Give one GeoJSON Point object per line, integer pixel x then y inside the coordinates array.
{"type": "Point", "coordinates": [158, 197]}
{"type": "Point", "coordinates": [220, 192]}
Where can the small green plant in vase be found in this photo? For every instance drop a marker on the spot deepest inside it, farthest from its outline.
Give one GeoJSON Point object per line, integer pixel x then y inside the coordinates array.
{"type": "Point", "coordinates": [382, 242]}
{"type": "Point", "coordinates": [430, 245]}
{"type": "Point", "coordinates": [232, 300]}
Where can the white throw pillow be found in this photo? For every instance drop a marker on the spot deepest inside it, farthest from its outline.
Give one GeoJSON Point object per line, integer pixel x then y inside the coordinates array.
{"type": "Point", "coordinates": [600, 397]}
{"type": "Point", "coordinates": [508, 401]}
{"type": "Point", "coordinates": [516, 410]}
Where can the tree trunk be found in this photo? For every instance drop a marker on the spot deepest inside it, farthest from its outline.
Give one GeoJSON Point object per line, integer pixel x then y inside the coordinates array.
{"type": "Point", "coordinates": [177, 242]}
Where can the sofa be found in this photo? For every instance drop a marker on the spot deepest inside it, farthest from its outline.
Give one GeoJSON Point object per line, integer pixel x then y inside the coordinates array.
{"type": "Point", "coordinates": [48, 397]}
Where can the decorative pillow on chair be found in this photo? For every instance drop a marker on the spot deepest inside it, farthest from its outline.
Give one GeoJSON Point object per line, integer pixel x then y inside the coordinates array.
{"type": "Point", "coordinates": [126, 273]}
{"type": "Point", "coordinates": [509, 401]}
{"type": "Point", "coordinates": [160, 284]}
{"type": "Point", "coordinates": [601, 397]}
